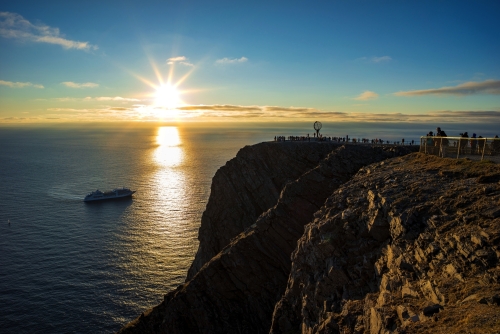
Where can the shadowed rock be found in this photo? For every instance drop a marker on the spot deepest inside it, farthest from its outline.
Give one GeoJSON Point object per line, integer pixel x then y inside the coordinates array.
{"type": "Point", "coordinates": [236, 291]}
{"type": "Point", "coordinates": [247, 186]}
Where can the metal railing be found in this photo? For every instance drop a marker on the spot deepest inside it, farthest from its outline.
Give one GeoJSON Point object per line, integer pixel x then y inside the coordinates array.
{"type": "Point", "coordinates": [458, 147]}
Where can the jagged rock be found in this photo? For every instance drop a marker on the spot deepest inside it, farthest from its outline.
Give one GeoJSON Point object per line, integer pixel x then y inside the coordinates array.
{"type": "Point", "coordinates": [436, 241]}
{"type": "Point", "coordinates": [406, 245]}
{"type": "Point", "coordinates": [249, 185]}
{"type": "Point", "coordinates": [235, 292]}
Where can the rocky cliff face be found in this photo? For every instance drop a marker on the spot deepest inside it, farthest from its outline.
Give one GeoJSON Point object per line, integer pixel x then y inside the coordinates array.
{"type": "Point", "coordinates": [247, 186]}
{"type": "Point", "coordinates": [237, 289]}
{"type": "Point", "coordinates": [409, 245]}
{"type": "Point", "coordinates": [399, 246]}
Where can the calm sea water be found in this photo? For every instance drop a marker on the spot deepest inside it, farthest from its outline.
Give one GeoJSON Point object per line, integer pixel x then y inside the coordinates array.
{"type": "Point", "coordinates": [71, 267]}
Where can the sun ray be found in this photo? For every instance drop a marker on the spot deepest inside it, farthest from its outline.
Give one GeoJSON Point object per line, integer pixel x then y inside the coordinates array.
{"type": "Point", "coordinates": [184, 77]}
{"type": "Point", "coordinates": [156, 71]}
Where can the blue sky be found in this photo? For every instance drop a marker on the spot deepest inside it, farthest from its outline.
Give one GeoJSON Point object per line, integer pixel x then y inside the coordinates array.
{"type": "Point", "coordinates": [234, 61]}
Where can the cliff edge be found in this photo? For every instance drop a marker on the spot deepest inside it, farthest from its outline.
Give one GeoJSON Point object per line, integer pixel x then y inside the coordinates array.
{"type": "Point", "coordinates": [247, 186]}
{"type": "Point", "coordinates": [358, 240]}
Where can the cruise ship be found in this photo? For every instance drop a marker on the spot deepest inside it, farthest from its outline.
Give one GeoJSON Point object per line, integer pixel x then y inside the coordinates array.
{"type": "Point", "coordinates": [113, 194]}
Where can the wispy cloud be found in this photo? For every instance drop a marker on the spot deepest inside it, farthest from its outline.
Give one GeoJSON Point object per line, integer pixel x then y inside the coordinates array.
{"type": "Point", "coordinates": [119, 108]}
{"type": "Point", "coordinates": [71, 84]}
{"type": "Point", "coordinates": [116, 98]}
{"type": "Point", "coordinates": [467, 88]}
{"type": "Point", "coordinates": [382, 59]}
{"type": "Point", "coordinates": [223, 107]}
{"type": "Point", "coordinates": [141, 112]}
{"type": "Point", "coordinates": [231, 60]}
{"type": "Point", "coordinates": [98, 98]}
{"type": "Point", "coordinates": [289, 109]}
{"type": "Point", "coordinates": [267, 112]}
{"type": "Point", "coordinates": [302, 113]}
{"type": "Point", "coordinates": [19, 84]}
{"type": "Point", "coordinates": [180, 58]}
{"type": "Point", "coordinates": [183, 60]}
{"type": "Point", "coordinates": [15, 26]}
{"type": "Point", "coordinates": [367, 95]}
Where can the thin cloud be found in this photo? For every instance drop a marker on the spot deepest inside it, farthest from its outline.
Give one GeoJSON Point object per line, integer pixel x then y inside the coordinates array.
{"type": "Point", "coordinates": [223, 107]}
{"type": "Point", "coordinates": [15, 26]}
{"type": "Point", "coordinates": [20, 84]}
{"type": "Point", "coordinates": [367, 95]}
{"type": "Point", "coordinates": [183, 60]}
{"type": "Point", "coordinates": [116, 98]}
{"type": "Point", "coordinates": [292, 109]}
{"type": "Point", "coordinates": [180, 58]}
{"type": "Point", "coordinates": [297, 113]}
{"type": "Point", "coordinates": [98, 98]}
{"type": "Point", "coordinates": [467, 88]}
{"type": "Point", "coordinates": [465, 114]}
{"type": "Point", "coordinates": [119, 108]}
{"type": "Point", "coordinates": [265, 113]}
{"type": "Point", "coordinates": [67, 109]}
{"type": "Point", "coordinates": [380, 59]}
{"type": "Point", "coordinates": [231, 60]}
{"type": "Point", "coordinates": [71, 84]}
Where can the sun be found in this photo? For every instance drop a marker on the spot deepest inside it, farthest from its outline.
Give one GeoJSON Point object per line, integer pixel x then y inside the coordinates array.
{"type": "Point", "coordinates": [167, 96]}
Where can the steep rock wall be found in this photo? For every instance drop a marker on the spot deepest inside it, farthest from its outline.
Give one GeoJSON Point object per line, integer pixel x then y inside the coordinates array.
{"type": "Point", "coordinates": [236, 291]}
{"type": "Point", "coordinates": [410, 245]}
{"type": "Point", "coordinates": [247, 186]}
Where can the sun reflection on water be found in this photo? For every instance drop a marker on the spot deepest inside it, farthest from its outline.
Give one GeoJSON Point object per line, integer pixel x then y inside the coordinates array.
{"type": "Point", "coordinates": [162, 241]}
{"type": "Point", "coordinates": [168, 153]}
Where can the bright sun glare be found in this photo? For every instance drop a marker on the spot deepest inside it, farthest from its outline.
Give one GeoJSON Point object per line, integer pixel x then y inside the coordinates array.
{"type": "Point", "coordinates": [168, 136]}
{"type": "Point", "coordinates": [167, 96]}
{"type": "Point", "coordinates": [168, 153]}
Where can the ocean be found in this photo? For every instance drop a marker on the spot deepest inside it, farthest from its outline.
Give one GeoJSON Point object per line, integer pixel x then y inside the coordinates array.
{"type": "Point", "coordinates": [71, 267]}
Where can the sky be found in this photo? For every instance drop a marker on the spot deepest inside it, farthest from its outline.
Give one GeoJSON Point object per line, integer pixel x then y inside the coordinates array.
{"type": "Point", "coordinates": [205, 61]}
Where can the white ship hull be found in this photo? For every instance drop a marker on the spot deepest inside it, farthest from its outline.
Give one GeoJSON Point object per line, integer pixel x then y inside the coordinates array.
{"type": "Point", "coordinates": [108, 195]}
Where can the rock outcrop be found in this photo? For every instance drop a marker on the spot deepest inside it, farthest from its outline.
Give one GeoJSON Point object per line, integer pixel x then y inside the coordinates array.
{"type": "Point", "coordinates": [353, 243]}
{"type": "Point", "coordinates": [235, 292]}
{"type": "Point", "coordinates": [247, 186]}
{"type": "Point", "coordinates": [410, 245]}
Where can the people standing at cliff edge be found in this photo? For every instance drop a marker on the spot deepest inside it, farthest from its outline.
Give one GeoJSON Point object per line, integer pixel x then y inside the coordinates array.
{"type": "Point", "coordinates": [473, 144]}
{"type": "Point", "coordinates": [463, 142]}
{"type": "Point", "coordinates": [429, 142]}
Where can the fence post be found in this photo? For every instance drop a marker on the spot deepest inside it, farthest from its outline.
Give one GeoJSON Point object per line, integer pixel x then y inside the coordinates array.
{"type": "Point", "coordinates": [458, 150]}
{"type": "Point", "coordinates": [484, 148]}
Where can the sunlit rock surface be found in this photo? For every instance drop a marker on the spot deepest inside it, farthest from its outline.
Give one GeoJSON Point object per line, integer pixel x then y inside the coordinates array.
{"type": "Point", "coordinates": [410, 245]}
{"type": "Point", "coordinates": [356, 244]}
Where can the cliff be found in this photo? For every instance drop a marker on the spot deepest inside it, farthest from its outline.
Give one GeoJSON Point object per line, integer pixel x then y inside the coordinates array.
{"type": "Point", "coordinates": [382, 246]}
{"type": "Point", "coordinates": [409, 245]}
{"type": "Point", "coordinates": [247, 186]}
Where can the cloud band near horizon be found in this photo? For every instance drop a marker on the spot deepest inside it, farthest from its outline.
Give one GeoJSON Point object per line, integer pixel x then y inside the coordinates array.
{"type": "Point", "coordinates": [72, 84]}
{"type": "Point", "coordinates": [20, 84]}
{"type": "Point", "coordinates": [467, 88]}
